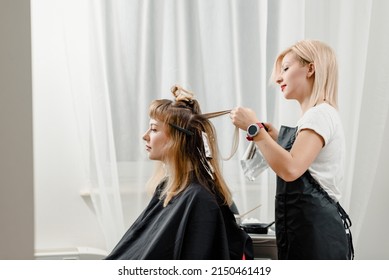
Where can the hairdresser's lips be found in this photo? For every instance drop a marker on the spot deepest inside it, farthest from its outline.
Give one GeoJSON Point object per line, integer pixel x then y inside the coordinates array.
{"type": "Point", "coordinates": [283, 87]}
{"type": "Point", "coordinates": [148, 148]}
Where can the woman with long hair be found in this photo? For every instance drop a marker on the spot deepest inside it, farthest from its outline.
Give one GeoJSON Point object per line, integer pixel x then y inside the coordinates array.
{"type": "Point", "coordinates": [189, 215]}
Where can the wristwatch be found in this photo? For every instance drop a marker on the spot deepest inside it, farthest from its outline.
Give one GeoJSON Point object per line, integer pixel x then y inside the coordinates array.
{"type": "Point", "coordinates": [253, 130]}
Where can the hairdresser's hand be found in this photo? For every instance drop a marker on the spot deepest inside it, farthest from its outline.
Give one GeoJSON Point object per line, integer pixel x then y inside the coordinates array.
{"type": "Point", "coordinates": [243, 117]}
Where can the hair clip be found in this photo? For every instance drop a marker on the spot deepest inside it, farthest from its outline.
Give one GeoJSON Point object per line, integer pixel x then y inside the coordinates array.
{"type": "Point", "coordinates": [187, 132]}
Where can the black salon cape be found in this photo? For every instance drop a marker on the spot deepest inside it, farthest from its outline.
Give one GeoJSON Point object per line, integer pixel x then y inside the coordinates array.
{"type": "Point", "coordinates": [194, 225]}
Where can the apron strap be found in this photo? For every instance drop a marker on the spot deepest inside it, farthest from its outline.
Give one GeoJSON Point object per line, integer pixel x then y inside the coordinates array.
{"type": "Point", "coordinates": [347, 224]}
{"type": "Point", "coordinates": [344, 215]}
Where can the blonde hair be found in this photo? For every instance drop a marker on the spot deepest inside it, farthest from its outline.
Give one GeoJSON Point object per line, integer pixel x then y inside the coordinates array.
{"type": "Point", "coordinates": [325, 86]}
{"type": "Point", "coordinates": [185, 126]}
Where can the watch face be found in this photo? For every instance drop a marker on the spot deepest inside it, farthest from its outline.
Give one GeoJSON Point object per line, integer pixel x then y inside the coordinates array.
{"type": "Point", "coordinates": [252, 130]}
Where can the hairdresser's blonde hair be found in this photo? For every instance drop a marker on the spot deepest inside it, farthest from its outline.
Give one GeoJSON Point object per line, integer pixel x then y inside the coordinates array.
{"type": "Point", "coordinates": [325, 86]}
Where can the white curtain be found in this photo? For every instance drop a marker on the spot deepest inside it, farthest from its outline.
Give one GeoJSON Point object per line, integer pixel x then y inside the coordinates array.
{"type": "Point", "coordinates": [129, 52]}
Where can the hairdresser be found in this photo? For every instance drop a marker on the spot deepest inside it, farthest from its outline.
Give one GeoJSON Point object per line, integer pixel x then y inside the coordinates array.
{"type": "Point", "coordinates": [307, 159]}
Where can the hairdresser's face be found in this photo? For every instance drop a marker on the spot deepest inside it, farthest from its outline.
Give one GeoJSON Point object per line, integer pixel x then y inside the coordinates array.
{"type": "Point", "coordinates": [294, 78]}
{"type": "Point", "coordinates": [156, 140]}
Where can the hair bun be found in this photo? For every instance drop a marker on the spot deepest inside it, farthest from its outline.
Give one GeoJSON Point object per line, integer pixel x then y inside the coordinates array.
{"type": "Point", "coordinates": [181, 94]}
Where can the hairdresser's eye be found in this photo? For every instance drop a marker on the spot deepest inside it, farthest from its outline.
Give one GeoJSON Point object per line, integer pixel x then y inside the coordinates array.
{"type": "Point", "coordinates": [285, 69]}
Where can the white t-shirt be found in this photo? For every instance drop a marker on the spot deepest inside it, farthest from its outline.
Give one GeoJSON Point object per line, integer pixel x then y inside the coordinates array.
{"type": "Point", "coordinates": [328, 168]}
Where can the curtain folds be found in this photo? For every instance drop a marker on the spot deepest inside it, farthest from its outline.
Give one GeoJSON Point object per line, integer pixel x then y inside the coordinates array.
{"type": "Point", "coordinates": [224, 52]}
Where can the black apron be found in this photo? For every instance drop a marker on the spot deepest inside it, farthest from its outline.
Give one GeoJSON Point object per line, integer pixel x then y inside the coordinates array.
{"type": "Point", "coordinates": [309, 223]}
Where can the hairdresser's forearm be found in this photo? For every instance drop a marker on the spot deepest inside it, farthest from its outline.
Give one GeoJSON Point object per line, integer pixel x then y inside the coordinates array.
{"type": "Point", "coordinates": [279, 159]}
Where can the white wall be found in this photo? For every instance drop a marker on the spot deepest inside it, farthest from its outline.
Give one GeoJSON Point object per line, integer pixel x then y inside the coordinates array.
{"type": "Point", "coordinates": [16, 151]}
{"type": "Point", "coordinates": [373, 242]}
{"type": "Point", "coordinates": [63, 218]}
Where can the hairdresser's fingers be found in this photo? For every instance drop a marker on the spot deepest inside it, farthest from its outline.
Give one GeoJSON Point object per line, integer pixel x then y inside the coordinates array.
{"type": "Point", "coordinates": [242, 117]}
